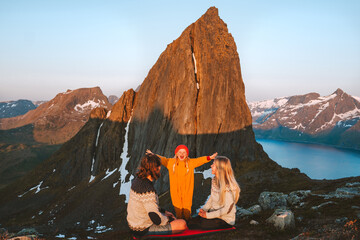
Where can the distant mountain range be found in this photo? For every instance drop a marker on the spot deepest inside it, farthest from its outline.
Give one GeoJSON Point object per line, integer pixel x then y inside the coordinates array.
{"type": "Point", "coordinates": [332, 119]}
{"type": "Point", "coordinates": [15, 108]}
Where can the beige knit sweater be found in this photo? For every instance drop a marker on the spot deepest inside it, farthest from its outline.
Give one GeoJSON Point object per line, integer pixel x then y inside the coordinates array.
{"type": "Point", "coordinates": [213, 208]}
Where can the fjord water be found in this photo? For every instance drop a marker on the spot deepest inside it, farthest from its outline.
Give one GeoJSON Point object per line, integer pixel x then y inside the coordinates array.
{"type": "Point", "coordinates": [316, 161]}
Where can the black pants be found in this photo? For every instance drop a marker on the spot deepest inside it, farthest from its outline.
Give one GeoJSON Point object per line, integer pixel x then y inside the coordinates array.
{"type": "Point", "coordinates": [207, 224]}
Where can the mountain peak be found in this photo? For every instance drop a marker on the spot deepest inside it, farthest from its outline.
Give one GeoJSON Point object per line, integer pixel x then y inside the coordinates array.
{"type": "Point", "coordinates": [339, 91]}
{"type": "Point", "coordinates": [211, 12]}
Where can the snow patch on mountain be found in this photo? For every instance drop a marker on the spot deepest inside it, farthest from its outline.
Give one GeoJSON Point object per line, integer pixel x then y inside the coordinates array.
{"type": "Point", "coordinates": [89, 104]}
{"type": "Point", "coordinates": [125, 185]}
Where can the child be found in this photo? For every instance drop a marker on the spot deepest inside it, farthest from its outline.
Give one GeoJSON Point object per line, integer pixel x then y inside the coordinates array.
{"type": "Point", "coordinates": [220, 209]}
{"type": "Point", "coordinates": [181, 176]}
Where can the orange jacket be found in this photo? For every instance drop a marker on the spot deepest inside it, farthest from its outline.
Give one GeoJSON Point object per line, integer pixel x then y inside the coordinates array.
{"type": "Point", "coordinates": [182, 179]}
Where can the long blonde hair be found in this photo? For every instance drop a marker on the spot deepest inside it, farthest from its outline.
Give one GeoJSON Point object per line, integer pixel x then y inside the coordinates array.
{"type": "Point", "coordinates": [226, 180]}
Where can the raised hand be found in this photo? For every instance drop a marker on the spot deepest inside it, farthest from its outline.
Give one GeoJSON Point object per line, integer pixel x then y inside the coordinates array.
{"type": "Point", "coordinates": [213, 156]}
{"type": "Point", "coordinates": [148, 151]}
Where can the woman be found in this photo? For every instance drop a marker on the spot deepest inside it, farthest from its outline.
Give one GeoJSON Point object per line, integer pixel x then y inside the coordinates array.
{"type": "Point", "coordinates": [144, 215]}
{"type": "Point", "coordinates": [220, 209]}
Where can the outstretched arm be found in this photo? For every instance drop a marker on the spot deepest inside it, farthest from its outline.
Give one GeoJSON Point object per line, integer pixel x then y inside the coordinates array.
{"type": "Point", "coordinates": [164, 160]}
{"type": "Point", "coordinates": [202, 160]}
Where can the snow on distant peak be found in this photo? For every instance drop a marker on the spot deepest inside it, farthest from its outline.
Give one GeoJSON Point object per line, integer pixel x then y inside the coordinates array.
{"type": "Point", "coordinates": [356, 98]}
{"type": "Point", "coordinates": [89, 104]}
{"type": "Point", "coordinates": [271, 103]}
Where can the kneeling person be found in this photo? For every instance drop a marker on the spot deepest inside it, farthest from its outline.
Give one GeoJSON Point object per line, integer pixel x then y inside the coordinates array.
{"type": "Point", "coordinates": [144, 216]}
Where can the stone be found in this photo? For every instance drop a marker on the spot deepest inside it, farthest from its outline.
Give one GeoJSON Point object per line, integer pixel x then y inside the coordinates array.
{"type": "Point", "coordinates": [341, 220]}
{"type": "Point", "coordinates": [296, 197]}
{"type": "Point", "coordinates": [282, 219]}
{"type": "Point", "coordinates": [28, 231]}
{"type": "Point", "coordinates": [256, 209]}
{"type": "Point", "coordinates": [323, 204]}
{"type": "Point", "coordinates": [253, 222]}
{"type": "Point", "coordinates": [241, 212]}
{"type": "Point", "coordinates": [272, 200]}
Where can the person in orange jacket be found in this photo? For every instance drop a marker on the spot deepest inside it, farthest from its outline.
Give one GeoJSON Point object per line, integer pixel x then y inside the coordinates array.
{"type": "Point", "coordinates": [181, 176]}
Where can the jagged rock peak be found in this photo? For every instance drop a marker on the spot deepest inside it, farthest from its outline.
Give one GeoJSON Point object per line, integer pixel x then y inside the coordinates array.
{"type": "Point", "coordinates": [98, 112]}
{"type": "Point", "coordinates": [196, 82]}
{"type": "Point", "coordinates": [122, 110]}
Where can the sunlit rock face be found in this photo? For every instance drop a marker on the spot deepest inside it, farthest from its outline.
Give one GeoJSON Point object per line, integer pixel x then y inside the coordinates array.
{"type": "Point", "coordinates": [194, 95]}
{"type": "Point", "coordinates": [59, 119]}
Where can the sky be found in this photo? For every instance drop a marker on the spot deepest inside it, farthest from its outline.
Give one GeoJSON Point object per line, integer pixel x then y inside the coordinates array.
{"type": "Point", "coordinates": [286, 47]}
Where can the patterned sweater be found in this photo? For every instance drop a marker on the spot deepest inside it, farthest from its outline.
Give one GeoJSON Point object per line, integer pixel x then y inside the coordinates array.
{"type": "Point", "coordinates": [213, 208]}
{"type": "Point", "coordinates": [143, 207]}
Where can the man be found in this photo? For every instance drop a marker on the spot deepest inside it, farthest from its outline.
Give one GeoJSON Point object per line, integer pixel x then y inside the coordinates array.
{"type": "Point", "coordinates": [144, 216]}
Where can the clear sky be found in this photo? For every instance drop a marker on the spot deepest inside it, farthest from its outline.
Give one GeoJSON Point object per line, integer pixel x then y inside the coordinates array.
{"type": "Point", "coordinates": [286, 47]}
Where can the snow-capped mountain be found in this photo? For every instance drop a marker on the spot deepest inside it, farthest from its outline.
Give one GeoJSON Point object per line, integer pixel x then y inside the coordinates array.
{"type": "Point", "coordinates": [59, 119]}
{"type": "Point", "coordinates": [15, 108]}
{"type": "Point", "coordinates": [262, 110]}
{"type": "Point", "coordinates": [309, 117]}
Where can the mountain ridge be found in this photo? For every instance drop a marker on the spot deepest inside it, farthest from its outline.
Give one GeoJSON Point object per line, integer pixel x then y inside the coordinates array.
{"type": "Point", "coordinates": [330, 119]}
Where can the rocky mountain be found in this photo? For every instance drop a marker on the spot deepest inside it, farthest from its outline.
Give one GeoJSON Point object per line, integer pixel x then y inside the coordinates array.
{"type": "Point", "coordinates": [194, 95]}
{"type": "Point", "coordinates": [330, 119]}
{"type": "Point", "coordinates": [15, 108]}
{"type": "Point", "coordinates": [59, 119]}
{"type": "Point", "coordinates": [113, 99]}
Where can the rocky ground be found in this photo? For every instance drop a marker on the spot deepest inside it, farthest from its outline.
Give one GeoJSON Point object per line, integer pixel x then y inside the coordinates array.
{"type": "Point", "coordinates": [300, 215]}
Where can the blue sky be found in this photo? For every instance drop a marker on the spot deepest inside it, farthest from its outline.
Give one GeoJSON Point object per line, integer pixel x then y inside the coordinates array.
{"type": "Point", "coordinates": [286, 47]}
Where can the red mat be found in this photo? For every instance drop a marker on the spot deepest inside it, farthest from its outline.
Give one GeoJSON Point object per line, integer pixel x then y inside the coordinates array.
{"type": "Point", "coordinates": [187, 233]}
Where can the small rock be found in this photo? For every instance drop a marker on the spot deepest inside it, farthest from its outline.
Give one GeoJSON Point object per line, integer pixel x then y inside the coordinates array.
{"type": "Point", "coordinates": [323, 204]}
{"type": "Point", "coordinates": [341, 220]}
{"type": "Point", "coordinates": [300, 219]}
{"type": "Point", "coordinates": [253, 222]}
{"type": "Point", "coordinates": [272, 200]}
{"type": "Point", "coordinates": [353, 184]}
{"type": "Point", "coordinates": [256, 209]}
{"type": "Point", "coordinates": [282, 219]}
{"type": "Point", "coordinates": [241, 212]}
{"type": "Point", "coordinates": [28, 231]}
{"type": "Point", "coordinates": [355, 207]}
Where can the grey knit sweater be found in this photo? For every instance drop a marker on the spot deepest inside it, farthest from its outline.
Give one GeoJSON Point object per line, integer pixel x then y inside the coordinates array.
{"type": "Point", "coordinates": [143, 207]}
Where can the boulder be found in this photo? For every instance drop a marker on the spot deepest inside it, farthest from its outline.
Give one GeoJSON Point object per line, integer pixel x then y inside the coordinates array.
{"type": "Point", "coordinates": [282, 219]}
{"type": "Point", "coordinates": [296, 197]}
{"type": "Point", "coordinates": [272, 200]}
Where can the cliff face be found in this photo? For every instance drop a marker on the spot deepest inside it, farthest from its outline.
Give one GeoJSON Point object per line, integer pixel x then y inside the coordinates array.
{"type": "Point", "coordinates": [193, 95]}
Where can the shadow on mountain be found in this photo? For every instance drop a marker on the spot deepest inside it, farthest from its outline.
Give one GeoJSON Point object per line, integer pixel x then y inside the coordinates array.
{"type": "Point", "coordinates": [59, 194]}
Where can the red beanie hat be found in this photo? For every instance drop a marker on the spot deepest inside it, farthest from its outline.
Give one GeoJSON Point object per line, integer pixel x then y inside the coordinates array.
{"type": "Point", "coordinates": [181, 147]}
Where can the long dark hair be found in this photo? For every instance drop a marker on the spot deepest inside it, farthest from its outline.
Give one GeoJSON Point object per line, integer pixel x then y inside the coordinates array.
{"type": "Point", "coordinates": [149, 166]}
